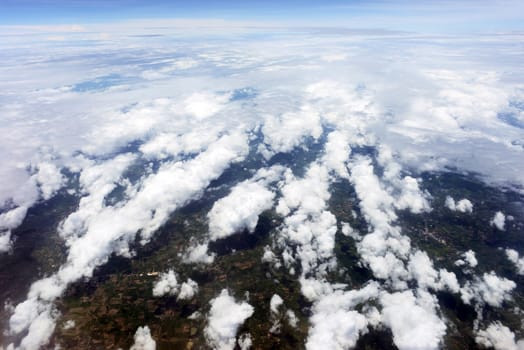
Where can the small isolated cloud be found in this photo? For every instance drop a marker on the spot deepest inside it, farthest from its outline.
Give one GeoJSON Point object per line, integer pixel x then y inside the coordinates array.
{"type": "Point", "coordinates": [143, 340]}
{"type": "Point", "coordinates": [499, 337]}
{"type": "Point", "coordinates": [518, 261]}
{"type": "Point", "coordinates": [463, 205]}
{"type": "Point", "coordinates": [468, 258]}
{"type": "Point", "coordinates": [499, 221]}
{"type": "Point", "coordinates": [275, 303]}
{"type": "Point", "coordinates": [188, 290]}
{"type": "Point", "coordinates": [224, 319]}
{"type": "Point", "coordinates": [166, 284]}
{"type": "Point", "coordinates": [69, 324]}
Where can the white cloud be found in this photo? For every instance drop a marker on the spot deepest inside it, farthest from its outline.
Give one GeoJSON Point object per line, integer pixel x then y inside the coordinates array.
{"type": "Point", "coordinates": [48, 178]}
{"type": "Point", "coordinates": [224, 318]}
{"type": "Point", "coordinates": [188, 290]}
{"type": "Point", "coordinates": [413, 320]}
{"type": "Point", "coordinates": [167, 284]}
{"type": "Point", "coordinates": [8, 221]}
{"type": "Point", "coordinates": [239, 210]}
{"type": "Point", "coordinates": [198, 253]}
{"type": "Point", "coordinates": [463, 205]}
{"type": "Point", "coordinates": [514, 257]}
{"type": "Point", "coordinates": [275, 303]}
{"type": "Point", "coordinates": [499, 220]}
{"type": "Point", "coordinates": [469, 258]}
{"type": "Point", "coordinates": [292, 318]}
{"type": "Point", "coordinates": [421, 269]}
{"type": "Point", "coordinates": [490, 289]}
{"type": "Point", "coordinates": [288, 130]}
{"type": "Point", "coordinates": [498, 337]}
{"type": "Point", "coordinates": [69, 324]}
{"type": "Point", "coordinates": [334, 323]}
{"type": "Point", "coordinates": [203, 105]}
{"type": "Point", "coordinates": [143, 340]}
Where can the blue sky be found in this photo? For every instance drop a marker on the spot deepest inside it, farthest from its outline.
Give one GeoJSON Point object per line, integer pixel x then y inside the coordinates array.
{"type": "Point", "coordinates": [424, 15]}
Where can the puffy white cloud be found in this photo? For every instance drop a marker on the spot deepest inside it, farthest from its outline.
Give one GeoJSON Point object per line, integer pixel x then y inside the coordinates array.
{"type": "Point", "coordinates": [224, 318]}
{"type": "Point", "coordinates": [514, 257]}
{"type": "Point", "coordinates": [499, 221]}
{"type": "Point", "coordinates": [198, 253]}
{"type": "Point", "coordinates": [499, 337]}
{"type": "Point", "coordinates": [239, 210]}
{"type": "Point", "coordinates": [336, 153]}
{"type": "Point", "coordinates": [286, 131]}
{"type": "Point", "coordinates": [203, 105]}
{"type": "Point", "coordinates": [275, 303]}
{"type": "Point", "coordinates": [421, 269]}
{"type": "Point", "coordinates": [167, 284]}
{"type": "Point", "coordinates": [463, 205]}
{"type": "Point", "coordinates": [334, 323]}
{"type": "Point", "coordinates": [143, 339]}
{"type": "Point", "coordinates": [8, 221]}
{"type": "Point", "coordinates": [490, 289]}
{"type": "Point", "coordinates": [48, 178]}
{"type": "Point", "coordinates": [188, 290]}
{"type": "Point", "coordinates": [307, 223]}
{"type": "Point", "coordinates": [413, 320]}
{"type": "Point", "coordinates": [467, 258]}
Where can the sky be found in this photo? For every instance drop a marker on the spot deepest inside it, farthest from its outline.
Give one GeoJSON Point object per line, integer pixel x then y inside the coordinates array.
{"type": "Point", "coordinates": [422, 16]}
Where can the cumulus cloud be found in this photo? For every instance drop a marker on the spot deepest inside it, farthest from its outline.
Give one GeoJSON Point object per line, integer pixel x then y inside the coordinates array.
{"type": "Point", "coordinates": [334, 323]}
{"type": "Point", "coordinates": [188, 290]}
{"type": "Point", "coordinates": [499, 221]}
{"type": "Point", "coordinates": [8, 221]}
{"type": "Point", "coordinates": [283, 133]}
{"type": "Point", "coordinates": [166, 284]}
{"type": "Point", "coordinates": [224, 319]}
{"type": "Point", "coordinates": [48, 178]}
{"type": "Point", "coordinates": [514, 257]}
{"type": "Point", "coordinates": [198, 253]}
{"type": "Point", "coordinates": [143, 340]}
{"type": "Point", "coordinates": [275, 303]}
{"type": "Point", "coordinates": [463, 205]}
{"type": "Point", "coordinates": [413, 320]}
{"type": "Point", "coordinates": [468, 258]}
{"type": "Point", "coordinates": [499, 337]}
{"type": "Point", "coordinates": [239, 210]}
{"type": "Point", "coordinates": [307, 223]}
{"type": "Point", "coordinates": [490, 289]}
